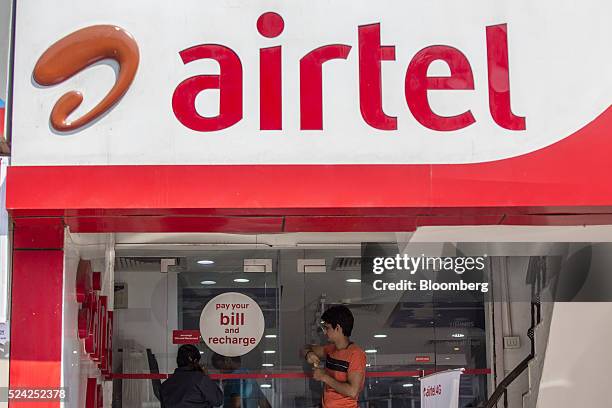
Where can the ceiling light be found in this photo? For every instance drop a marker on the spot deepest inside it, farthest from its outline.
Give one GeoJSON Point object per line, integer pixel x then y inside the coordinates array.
{"type": "Point", "coordinates": [380, 336]}
{"type": "Point", "coordinates": [458, 335]}
{"type": "Point", "coordinates": [447, 358]}
{"type": "Point", "coordinates": [407, 385]}
{"type": "Point", "coordinates": [353, 280]}
{"type": "Point", "coordinates": [269, 351]}
{"type": "Point", "coordinates": [206, 262]}
{"type": "Point", "coordinates": [267, 365]}
{"type": "Point", "coordinates": [371, 351]}
{"type": "Point", "coordinates": [270, 336]}
{"type": "Point", "coordinates": [241, 280]}
{"type": "Point", "coordinates": [208, 282]}
{"type": "Point", "coordinates": [368, 365]}
{"type": "Point", "coordinates": [456, 348]}
{"type": "Point", "coordinates": [266, 385]}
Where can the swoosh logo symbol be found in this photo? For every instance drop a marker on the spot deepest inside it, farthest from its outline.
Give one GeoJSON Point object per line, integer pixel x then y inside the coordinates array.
{"type": "Point", "coordinates": [74, 53]}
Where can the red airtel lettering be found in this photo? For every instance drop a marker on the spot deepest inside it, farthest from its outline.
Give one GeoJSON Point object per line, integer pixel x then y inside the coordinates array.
{"type": "Point", "coordinates": [270, 25]}
{"type": "Point", "coordinates": [371, 53]}
{"type": "Point", "coordinates": [418, 83]}
{"type": "Point", "coordinates": [271, 91]}
{"type": "Point", "coordinates": [499, 79]}
{"type": "Point", "coordinates": [431, 391]}
{"type": "Point", "coordinates": [229, 83]}
{"type": "Point", "coordinates": [311, 83]}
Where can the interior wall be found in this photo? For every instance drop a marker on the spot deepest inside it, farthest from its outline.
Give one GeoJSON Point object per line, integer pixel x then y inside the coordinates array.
{"type": "Point", "coordinates": [513, 318]}
{"type": "Point", "coordinates": [151, 315]}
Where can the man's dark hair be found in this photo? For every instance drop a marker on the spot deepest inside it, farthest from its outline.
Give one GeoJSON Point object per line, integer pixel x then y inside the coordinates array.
{"type": "Point", "coordinates": [188, 355]}
{"type": "Point", "coordinates": [339, 315]}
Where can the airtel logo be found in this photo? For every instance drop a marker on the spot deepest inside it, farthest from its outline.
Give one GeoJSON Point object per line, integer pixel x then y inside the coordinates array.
{"type": "Point", "coordinates": [87, 46]}
{"type": "Point", "coordinates": [78, 51]}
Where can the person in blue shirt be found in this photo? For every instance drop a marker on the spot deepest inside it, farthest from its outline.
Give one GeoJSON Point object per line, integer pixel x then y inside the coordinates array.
{"type": "Point", "coordinates": [238, 393]}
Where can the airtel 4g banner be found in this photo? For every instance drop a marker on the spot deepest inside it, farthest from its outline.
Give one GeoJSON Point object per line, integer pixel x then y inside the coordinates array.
{"type": "Point", "coordinates": [441, 390]}
{"type": "Point", "coordinates": [304, 82]}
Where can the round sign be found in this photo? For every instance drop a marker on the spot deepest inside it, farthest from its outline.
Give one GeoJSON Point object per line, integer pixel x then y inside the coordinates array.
{"type": "Point", "coordinates": [232, 324]}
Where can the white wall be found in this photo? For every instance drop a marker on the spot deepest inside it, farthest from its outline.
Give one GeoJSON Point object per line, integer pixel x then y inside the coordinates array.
{"type": "Point", "coordinates": [576, 370]}
{"type": "Point", "coordinates": [578, 358]}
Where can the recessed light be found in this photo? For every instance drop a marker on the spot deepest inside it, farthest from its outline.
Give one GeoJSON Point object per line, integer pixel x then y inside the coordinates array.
{"type": "Point", "coordinates": [201, 352]}
{"type": "Point", "coordinates": [368, 365]}
{"type": "Point", "coordinates": [458, 335]}
{"type": "Point", "coordinates": [241, 280]}
{"type": "Point", "coordinates": [456, 348]}
{"type": "Point", "coordinates": [269, 351]}
{"type": "Point", "coordinates": [407, 385]}
{"type": "Point", "coordinates": [380, 336]}
{"type": "Point", "coordinates": [208, 282]}
{"type": "Point", "coordinates": [447, 358]}
{"type": "Point", "coordinates": [206, 262]}
{"type": "Point", "coordinates": [270, 336]}
{"type": "Point", "coordinates": [267, 365]}
{"type": "Point", "coordinates": [371, 351]}
{"type": "Point", "coordinates": [266, 385]}
{"type": "Point", "coordinates": [353, 280]}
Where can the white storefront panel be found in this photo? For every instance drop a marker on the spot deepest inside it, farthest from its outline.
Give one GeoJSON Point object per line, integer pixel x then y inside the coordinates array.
{"type": "Point", "coordinates": [557, 81]}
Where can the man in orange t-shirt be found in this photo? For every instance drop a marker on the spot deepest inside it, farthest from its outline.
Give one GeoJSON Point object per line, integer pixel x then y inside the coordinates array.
{"type": "Point", "coordinates": [344, 373]}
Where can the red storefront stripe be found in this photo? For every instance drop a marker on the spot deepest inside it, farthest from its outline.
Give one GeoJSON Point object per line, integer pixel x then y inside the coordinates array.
{"type": "Point", "coordinates": [566, 179]}
{"type": "Point", "coordinates": [293, 375]}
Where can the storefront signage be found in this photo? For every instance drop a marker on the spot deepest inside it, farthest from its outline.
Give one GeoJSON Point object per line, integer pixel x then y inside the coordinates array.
{"type": "Point", "coordinates": [221, 83]}
{"type": "Point", "coordinates": [232, 324]}
{"type": "Point", "coordinates": [422, 359]}
{"type": "Point", "coordinates": [185, 336]}
{"type": "Point", "coordinates": [441, 390]}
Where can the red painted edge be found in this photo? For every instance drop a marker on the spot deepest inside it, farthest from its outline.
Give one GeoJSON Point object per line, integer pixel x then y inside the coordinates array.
{"type": "Point", "coordinates": [175, 224]}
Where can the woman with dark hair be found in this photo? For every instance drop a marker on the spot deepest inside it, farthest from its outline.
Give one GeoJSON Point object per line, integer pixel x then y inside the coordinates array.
{"type": "Point", "coordinates": [189, 386]}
